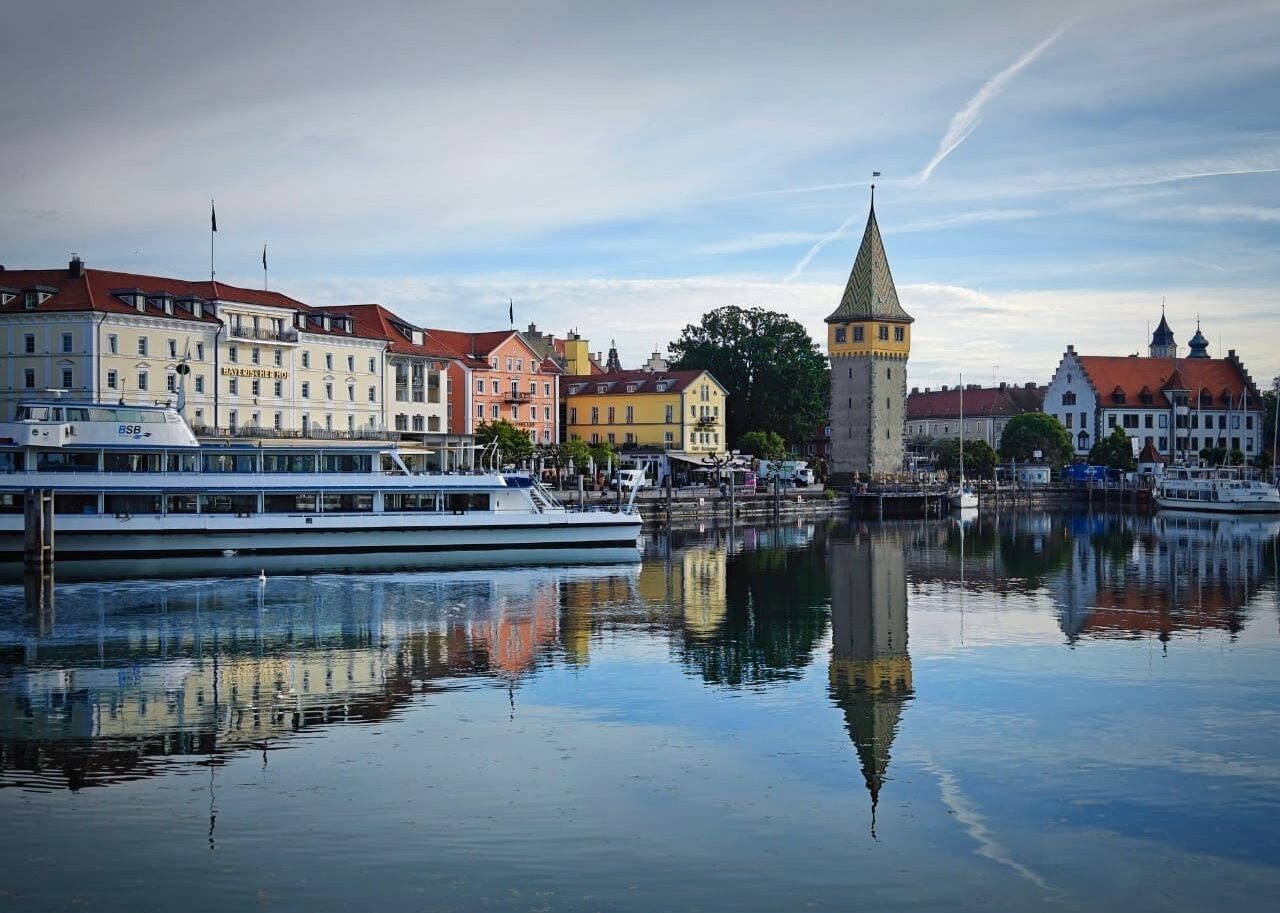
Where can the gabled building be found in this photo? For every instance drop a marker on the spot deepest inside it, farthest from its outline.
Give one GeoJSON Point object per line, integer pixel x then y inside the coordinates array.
{"type": "Point", "coordinates": [500, 375]}
{"type": "Point", "coordinates": [651, 418]}
{"type": "Point", "coordinates": [935, 414]}
{"type": "Point", "coordinates": [868, 341]}
{"type": "Point", "coordinates": [1177, 405]}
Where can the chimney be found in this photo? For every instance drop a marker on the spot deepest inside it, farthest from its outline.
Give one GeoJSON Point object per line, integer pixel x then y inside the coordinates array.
{"type": "Point", "coordinates": [945, 388]}
{"type": "Point", "coordinates": [75, 269]}
{"type": "Point", "coordinates": [1071, 350]}
{"type": "Point", "coordinates": [1003, 386]}
{"type": "Point", "coordinates": [915, 390]}
{"type": "Point", "coordinates": [1029, 385]}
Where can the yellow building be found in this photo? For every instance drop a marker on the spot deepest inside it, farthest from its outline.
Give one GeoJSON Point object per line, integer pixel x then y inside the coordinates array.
{"type": "Point", "coordinates": [677, 412]}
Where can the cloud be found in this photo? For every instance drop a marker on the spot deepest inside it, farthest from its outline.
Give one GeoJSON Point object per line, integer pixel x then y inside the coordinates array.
{"type": "Point", "coordinates": [967, 118]}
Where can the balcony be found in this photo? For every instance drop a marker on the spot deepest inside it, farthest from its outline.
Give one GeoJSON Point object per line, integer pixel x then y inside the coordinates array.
{"type": "Point", "coordinates": [259, 335]}
{"type": "Point", "coordinates": [514, 396]}
{"type": "Point", "coordinates": [706, 421]}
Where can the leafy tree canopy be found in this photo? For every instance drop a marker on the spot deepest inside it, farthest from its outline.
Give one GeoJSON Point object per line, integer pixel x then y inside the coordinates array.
{"type": "Point", "coordinates": [576, 452]}
{"type": "Point", "coordinates": [1113, 451]}
{"type": "Point", "coordinates": [763, 445]}
{"type": "Point", "coordinates": [514, 445]}
{"type": "Point", "coordinates": [775, 373]}
{"type": "Point", "coordinates": [979, 459]}
{"type": "Point", "coordinates": [1032, 431]}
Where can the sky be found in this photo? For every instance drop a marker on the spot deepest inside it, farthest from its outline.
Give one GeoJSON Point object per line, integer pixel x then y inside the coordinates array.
{"type": "Point", "coordinates": [1050, 173]}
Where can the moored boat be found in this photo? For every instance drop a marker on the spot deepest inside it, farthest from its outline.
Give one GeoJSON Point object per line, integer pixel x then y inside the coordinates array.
{"type": "Point", "coordinates": [135, 481]}
{"type": "Point", "coordinates": [1220, 490]}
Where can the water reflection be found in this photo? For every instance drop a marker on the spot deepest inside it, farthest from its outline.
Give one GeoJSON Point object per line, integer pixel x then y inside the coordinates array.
{"type": "Point", "coordinates": [870, 672]}
{"type": "Point", "coordinates": [129, 674]}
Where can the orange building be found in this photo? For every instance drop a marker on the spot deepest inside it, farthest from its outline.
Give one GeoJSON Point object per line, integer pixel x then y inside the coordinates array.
{"type": "Point", "coordinates": [501, 376]}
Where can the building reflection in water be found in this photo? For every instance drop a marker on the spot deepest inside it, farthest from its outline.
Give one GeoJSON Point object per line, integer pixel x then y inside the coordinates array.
{"type": "Point", "coordinates": [125, 681]}
{"type": "Point", "coordinates": [870, 672]}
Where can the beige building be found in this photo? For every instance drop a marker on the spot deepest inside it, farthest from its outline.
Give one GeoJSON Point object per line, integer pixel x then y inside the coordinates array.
{"type": "Point", "coordinates": [245, 360]}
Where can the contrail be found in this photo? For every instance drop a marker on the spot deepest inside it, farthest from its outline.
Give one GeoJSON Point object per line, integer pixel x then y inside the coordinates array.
{"type": "Point", "coordinates": [962, 125]}
{"type": "Point", "coordinates": [968, 117]}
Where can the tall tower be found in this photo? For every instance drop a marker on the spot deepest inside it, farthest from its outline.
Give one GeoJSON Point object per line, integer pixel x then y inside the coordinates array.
{"type": "Point", "coordinates": [868, 341]}
{"type": "Point", "coordinates": [1162, 341]}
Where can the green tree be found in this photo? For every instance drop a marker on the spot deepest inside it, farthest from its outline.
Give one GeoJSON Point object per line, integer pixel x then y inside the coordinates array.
{"type": "Point", "coordinates": [514, 445]}
{"type": "Point", "coordinates": [576, 452]}
{"type": "Point", "coordinates": [1113, 451]}
{"type": "Point", "coordinates": [603, 453]}
{"type": "Point", "coordinates": [1032, 431]}
{"type": "Point", "coordinates": [775, 373]}
{"type": "Point", "coordinates": [763, 445]}
{"type": "Point", "coordinates": [1269, 418]}
{"type": "Point", "coordinates": [979, 459]}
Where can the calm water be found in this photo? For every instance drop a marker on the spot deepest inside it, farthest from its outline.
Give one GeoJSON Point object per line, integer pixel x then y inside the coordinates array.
{"type": "Point", "coordinates": [1070, 711]}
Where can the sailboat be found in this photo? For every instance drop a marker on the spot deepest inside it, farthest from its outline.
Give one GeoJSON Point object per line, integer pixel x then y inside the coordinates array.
{"type": "Point", "coordinates": [962, 497]}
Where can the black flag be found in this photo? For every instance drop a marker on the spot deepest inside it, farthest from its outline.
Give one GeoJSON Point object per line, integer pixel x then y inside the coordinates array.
{"type": "Point", "coordinates": [213, 217]}
{"type": "Point", "coordinates": [511, 311]}
{"type": "Point", "coordinates": [264, 256]}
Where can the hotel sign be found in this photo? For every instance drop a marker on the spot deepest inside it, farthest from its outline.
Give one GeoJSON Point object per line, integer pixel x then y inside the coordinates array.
{"type": "Point", "coordinates": [268, 373]}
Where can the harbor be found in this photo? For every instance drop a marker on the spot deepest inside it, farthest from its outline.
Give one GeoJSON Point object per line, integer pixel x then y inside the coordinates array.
{"type": "Point", "coordinates": [933, 690]}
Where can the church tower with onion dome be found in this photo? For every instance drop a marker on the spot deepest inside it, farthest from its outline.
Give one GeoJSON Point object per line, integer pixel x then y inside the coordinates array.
{"type": "Point", "coordinates": [868, 342]}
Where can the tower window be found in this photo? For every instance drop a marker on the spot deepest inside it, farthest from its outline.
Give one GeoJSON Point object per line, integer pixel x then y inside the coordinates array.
{"type": "Point", "coordinates": [899, 334]}
{"type": "Point", "coordinates": [857, 334]}
{"type": "Point", "coordinates": [840, 334]}
{"type": "Point", "coordinates": [883, 332]}
{"type": "Point", "coordinates": [888, 373]}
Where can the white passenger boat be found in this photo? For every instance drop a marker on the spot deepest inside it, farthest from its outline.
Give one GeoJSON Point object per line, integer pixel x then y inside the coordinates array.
{"type": "Point", "coordinates": [1220, 490]}
{"type": "Point", "coordinates": [132, 481]}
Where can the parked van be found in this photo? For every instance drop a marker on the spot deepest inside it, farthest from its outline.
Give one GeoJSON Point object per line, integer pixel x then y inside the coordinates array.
{"type": "Point", "coordinates": [627, 479]}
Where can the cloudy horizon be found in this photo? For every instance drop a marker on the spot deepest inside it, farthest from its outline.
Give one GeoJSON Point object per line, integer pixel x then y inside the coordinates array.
{"type": "Point", "coordinates": [1047, 178]}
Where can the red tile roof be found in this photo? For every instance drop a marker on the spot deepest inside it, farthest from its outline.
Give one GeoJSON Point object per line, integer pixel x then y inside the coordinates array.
{"type": "Point", "coordinates": [1132, 375]}
{"type": "Point", "coordinates": [617, 382]}
{"type": "Point", "coordinates": [375, 321]}
{"type": "Point", "coordinates": [984, 401]}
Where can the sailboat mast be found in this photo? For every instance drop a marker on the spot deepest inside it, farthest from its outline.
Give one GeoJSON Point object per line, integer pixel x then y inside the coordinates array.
{"type": "Point", "coordinates": [962, 430]}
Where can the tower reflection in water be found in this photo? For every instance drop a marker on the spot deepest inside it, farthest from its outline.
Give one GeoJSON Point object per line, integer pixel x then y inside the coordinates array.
{"type": "Point", "coordinates": [870, 672]}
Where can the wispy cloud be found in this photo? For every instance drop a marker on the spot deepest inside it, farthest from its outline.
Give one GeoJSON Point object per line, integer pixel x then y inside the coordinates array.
{"type": "Point", "coordinates": [967, 118]}
{"type": "Point", "coordinates": [962, 124]}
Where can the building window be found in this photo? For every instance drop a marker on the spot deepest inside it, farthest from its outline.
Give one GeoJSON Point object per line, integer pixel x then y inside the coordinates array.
{"type": "Point", "coordinates": [373, 394]}
{"type": "Point", "coordinates": [29, 343]}
{"type": "Point", "coordinates": [859, 334]}
{"type": "Point", "coordinates": [255, 355]}
{"type": "Point", "coordinates": [1111, 420]}
{"type": "Point", "coordinates": [233, 386]}
{"type": "Point", "coordinates": [142, 380]}
{"type": "Point", "coordinates": [612, 415]}
{"type": "Point", "coordinates": [668, 438]}
{"type": "Point", "coordinates": [373, 367]}
{"type": "Point", "coordinates": [328, 391]}
{"type": "Point", "coordinates": [515, 413]}
{"type": "Point", "coordinates": [479, 385]}
{"type": "Point", "coordinates": [1131, 421]}
{"type": "Point", "coordinates": [546, 413]}
{"type": "Point", "coordinates": [255, 387]}
{"type": "Point", "coordinates": [328, 361]}
{"type": "Point", "coordinates": [200, 351]}
{"type": "Point", "coordinates": [277, 357]}
{"type": "Point", "coordinates": [595, 415]}
{"type": "Point", "coordinates": [351, 363]}
{"type": "Point", "coordinates": [199, 383]}
{"type": "Point", "coordinates": [573, 415]}
{"type": "Point", "coordinates": [899, 334]}
{"type": "Point", "coordinates": [351, 393]}
{"type": "Point", "coordinates": [882, 332]}
{"type": "Point", "coordinates": [306, 389]}
{"type": "Point", "coordinates": [277, 421]}
{"type": "Point", "coordinates": [233, 354]}
{"type": "Point", "coordinates": [480, 411]}
{"type": "Point", "coordinates": [142, 346]}
{"type": "Point", "coordinates": [841, 334]}
{"type": "Point", "coordinates": [29, 378]}
{"type": "Point", "coordinates": [111, 380]}
{"type": "Point", "coordinates": [1069, 398]}
{"type": "Point", "coordinates": [277, 388]}
{"type": "Point", "coordinates": [171, 383]}
{"type": "Point", "coordinates": [546, 389]}
{"type": "Point", "coordinates": [306, 359]}
{"type": "Point", "coordinates": [670, 416]}
{"type": "Point", "coordinates": [113, 344]}
{"type": "Point", "coordinates": [67, 342]}
{"type": "Point", "coordinates": [1069, 418]}
{"type": "Point", "coordinates": [493, 411]}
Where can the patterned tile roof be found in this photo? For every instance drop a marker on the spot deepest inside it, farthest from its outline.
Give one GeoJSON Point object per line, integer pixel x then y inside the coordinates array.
{"type": "Point", "coordinates": [870, 293]}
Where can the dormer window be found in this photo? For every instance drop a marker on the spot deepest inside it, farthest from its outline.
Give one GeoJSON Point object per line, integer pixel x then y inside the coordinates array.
{"type": "Point", "coordinates": [1117, 396]}
{"type": "Point", "coordinates": [36, 295]}
{"type": "Point", "coordinates": [631, 388]}
{"type": "Point", "coordinates": [1146, 396]}
{"type": "Point", "coordinates": [662, 386]}
{"type": "Point", "coordinates": [602, 388]}
{"type": "Point", "coordinates": [7, 295]}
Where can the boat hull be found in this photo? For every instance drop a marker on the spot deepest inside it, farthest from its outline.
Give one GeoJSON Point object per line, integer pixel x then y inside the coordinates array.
{"type": "Point", "coordinates": [97, 537]}
{"type": "Point", "coordinates": [1218, 507]}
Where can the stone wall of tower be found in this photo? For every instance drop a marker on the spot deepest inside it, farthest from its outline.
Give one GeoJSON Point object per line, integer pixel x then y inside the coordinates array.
{"type": "Point", "coordinates": [868, 405]}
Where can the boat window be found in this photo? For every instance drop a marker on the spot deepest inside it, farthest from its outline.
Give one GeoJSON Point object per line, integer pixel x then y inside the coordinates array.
{"type": "Point", "coordinates": [346, 462]}
{"type": "Point", "coordinates": [34, 413]}
{"type": "Point", "coordinates": [288, 462]}
{"type": "Point", "coordinates": [228, 504]}
{"type": "Point", "coordinates": [10, 502]}
{"type": "Point", "coordinates": [299, 503]}
{"type": "Point", "coordinates": [411, 501]}
{"type": "Point", "coordinates": [69, 461]}
{"type": "Point", "coordinates": [77, 414]}
{"type": "Point", "coordinates": [125, 461]}
{"type": "Point", "coordinates": [347, 502]}
{"type": "Point", "coordinates": [131, 504]}
{"type": "Point", "coordinates": [181, 504]}
{"type": "Point", "coordinates": [125, 415]}
{"type": "Point", "coordinates": [75, 503]}
{"type": "Point", "coordinates": [152, 416]}
{"type": "Point", "coordinates": [229, 462]}
{"type": "Point", "coordinates": [102, 415]}
{"type": "Point", "coordinates": [12, 461]}
{"type": "Point", "coordinates": [183, 462]}
{"type": "Point", "coordinates": [56, 415]}
{"type": "Point", "coordinates": [461, 502]}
